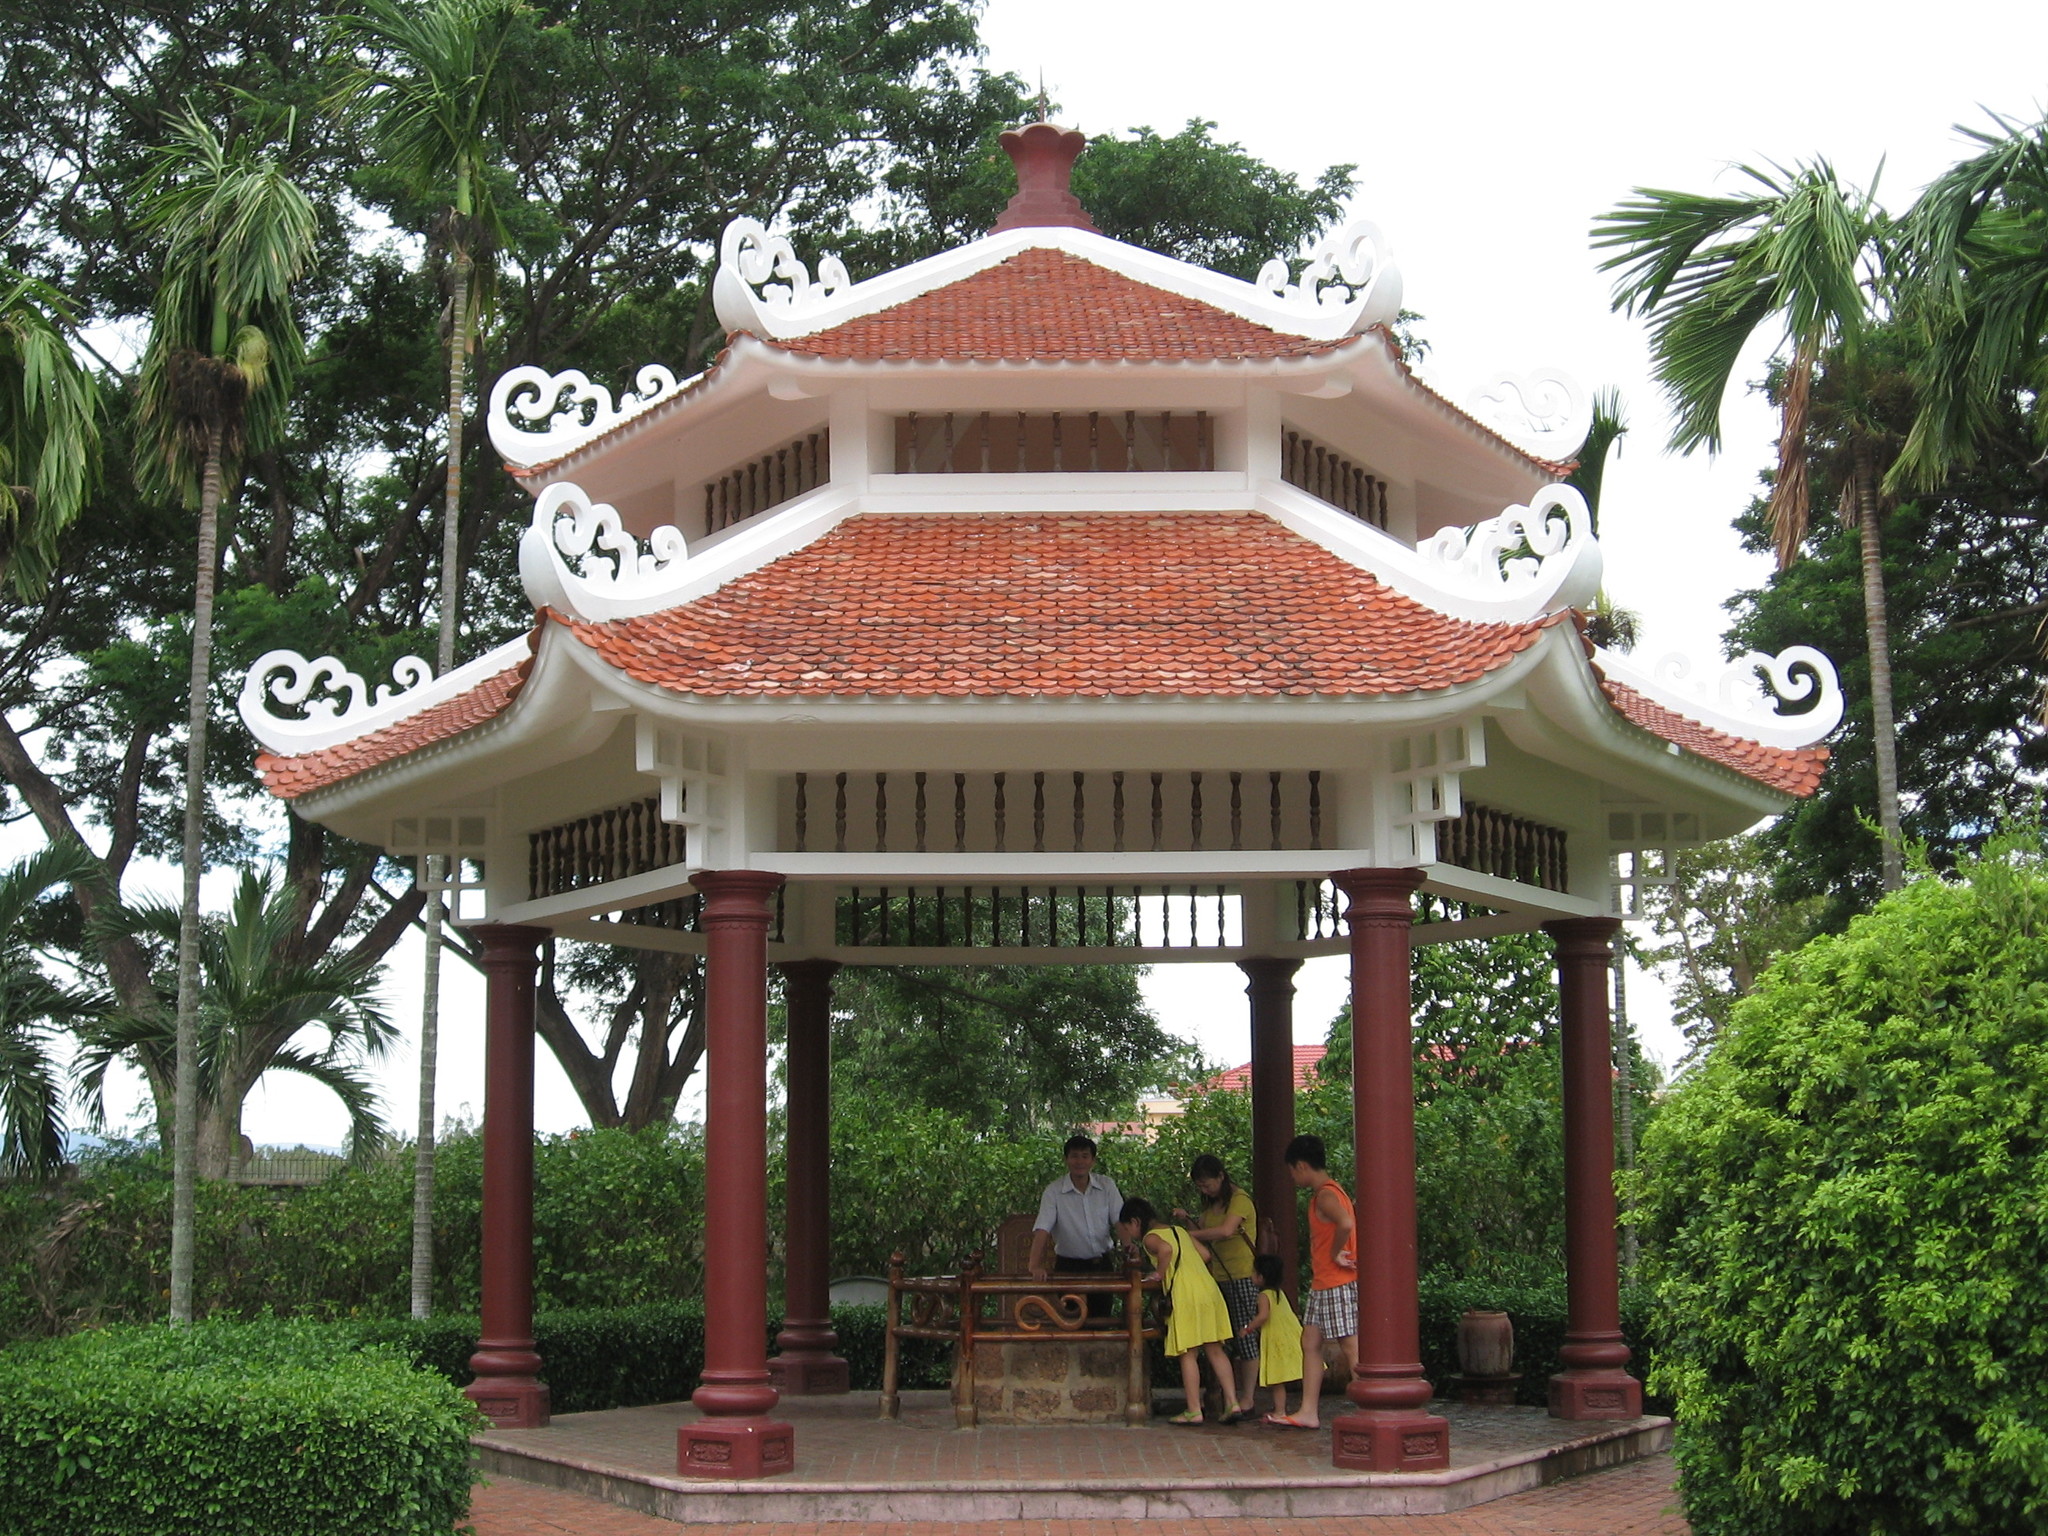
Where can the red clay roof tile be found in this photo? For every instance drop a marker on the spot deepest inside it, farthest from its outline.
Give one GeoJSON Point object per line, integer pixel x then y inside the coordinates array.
{"type": "Point", "coordinates": [1045, 305]}
{"type": "Point", "coordinates": [289, 777]}
{"type": "Point", "coordinates": [1219, 604]}
{"type": "Point", "coordinates": [1792, 770]}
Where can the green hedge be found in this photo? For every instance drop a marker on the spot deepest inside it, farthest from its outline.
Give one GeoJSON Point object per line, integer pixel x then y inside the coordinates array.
{"type": "Point", "coordinates": [265, 1428]}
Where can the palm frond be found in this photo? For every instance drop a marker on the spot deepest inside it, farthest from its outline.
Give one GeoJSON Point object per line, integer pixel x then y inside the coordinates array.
{"type": "Point", "coordinates": [1603, 434]}
{"type": "Point", "coordinates": [237, 233]}
{"type": "Point", "coordinates": [367, 1132]}
{"type": "Point", "coordinates": [1710, 272]}
{"type": "Point", "coordinates": [1976, 245]}
{"type": "Point", "coordinates": [428, 88]}
{"type": "Point", "coordinates": [49, 428]}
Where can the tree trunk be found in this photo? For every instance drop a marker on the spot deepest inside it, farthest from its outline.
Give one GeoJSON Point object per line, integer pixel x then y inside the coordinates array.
{"type": "Point", "coordinates": [185, 1148]}
{"type": "Point", "coordinates": [430, 976]}
{"type": "Point", "coordinates": [220, 1138]}
{"type": "Point", "coordinates": [1877, 630]}
{"type": "Point", "coordinates": [423, 1143]}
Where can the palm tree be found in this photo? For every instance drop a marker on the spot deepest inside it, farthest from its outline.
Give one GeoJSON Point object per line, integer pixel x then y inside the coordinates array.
{"type": "Point", "coordinates": [428, 93]}
{"type": "Point", "coordinates": [31, 1002]}
{"type": "Point", "coordinates": [49, 429]}
{"type": "Point", "coordinates": [1977, 246]}
{"type": "Point", "coordinates": [237, 233]}
{"type": "Point", "coordinates": [1607, 623]}
{"type": "Point", "coordinates": [255, 1002]}
{"type": "Point", "coordinates": [1806, 253]}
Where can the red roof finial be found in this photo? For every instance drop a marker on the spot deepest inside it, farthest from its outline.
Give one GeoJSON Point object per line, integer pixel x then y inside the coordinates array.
{"type": "Point", "coordinates": [1044, 156]}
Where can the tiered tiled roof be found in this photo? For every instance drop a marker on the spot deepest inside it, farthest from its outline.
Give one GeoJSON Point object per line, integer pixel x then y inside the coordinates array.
{"type": "Point", "coordinates": [1045, 305]}
{"type": "Point", "coordinates": [1794, 770]}
{"type": "Point", "coordinates": [1222, 603]}
{"type": "Point", "coordinates": [290, 777]}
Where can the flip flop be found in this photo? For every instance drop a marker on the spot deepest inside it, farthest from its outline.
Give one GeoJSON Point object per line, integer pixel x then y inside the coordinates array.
{"type": "Point", "coordinates": [1235, 1416]}
{"type": "Point", "coordinates": [1185, 1418]}
{"type": "Point", "coordinates": [1288, 1421]}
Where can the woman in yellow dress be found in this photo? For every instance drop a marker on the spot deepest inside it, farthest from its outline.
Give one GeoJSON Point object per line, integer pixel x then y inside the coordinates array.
{"type": "Point", "coordinates": [1198, 1319]}
{"type": "Point", "coordinates": [1279, 1333]}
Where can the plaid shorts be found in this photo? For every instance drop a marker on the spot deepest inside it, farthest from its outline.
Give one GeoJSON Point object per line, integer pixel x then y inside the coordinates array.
{"type": "Point", "coordinates": [1335, 1311]}
{"type": "Point", "coordinates": [1241, 1298]}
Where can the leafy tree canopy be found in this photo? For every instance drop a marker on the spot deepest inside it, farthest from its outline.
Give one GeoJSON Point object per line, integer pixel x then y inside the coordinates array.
{"type": "Point", "coordinates": [1489, 1114]}
{"type": "Point", "coordinates": [1026, 1050]}
{"type": "Point", "coordinates": [1966, 577]}
{"type": "Point", "coordinates": [1842, 1222]}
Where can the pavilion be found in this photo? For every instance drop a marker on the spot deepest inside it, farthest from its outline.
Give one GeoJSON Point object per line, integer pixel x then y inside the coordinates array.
{"type": "Point", "coordinates": [1047, 600]}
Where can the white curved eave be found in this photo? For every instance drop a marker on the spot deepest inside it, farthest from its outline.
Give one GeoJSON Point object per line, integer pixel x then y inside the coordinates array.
{"type": "Point", "coordinates": [351, 709]}
{"type": "Point", "coordinates": [1574, 723]}
{"type": "Point", "coordinates": [1732, 699]}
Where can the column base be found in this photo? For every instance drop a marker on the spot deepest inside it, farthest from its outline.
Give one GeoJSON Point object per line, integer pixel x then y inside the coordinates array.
{"type": "Point", "coordinates": [821, 1375]}
{"type": "Point", "coordinates": [510, 1404]}
{"type": "Point", "coordinates": [1608, 1394]}
{"type": "Point", "coordinates": [735, 1448]}
{"type": "Point", "coordinates": [1390, 1440]}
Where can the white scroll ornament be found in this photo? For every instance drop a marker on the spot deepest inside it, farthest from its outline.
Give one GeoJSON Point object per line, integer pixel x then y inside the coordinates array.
{"type": "Point", "coordinates": [1543, 554]}
{"type": "Point", "coordinates": [1545, 412]}
{"type": "Point", "coordinates": [1741, 697]}
{"type": "Point", "coordinates": [612, 574]}
{"type": "Point", "coordinates": [751, 259]}
{"type": "Point", "coordinates": [347, 710]}
{"type": "Point", "coordinates": [575, 410]}
{"type": "Point", "coordinates": [1352, 271]}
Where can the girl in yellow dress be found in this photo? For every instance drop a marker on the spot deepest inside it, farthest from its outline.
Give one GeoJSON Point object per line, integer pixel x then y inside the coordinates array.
{"type": "Point", "coordinates": [1279, 1333]}
{"type": "Point", "coordinates": [1198, 1319]}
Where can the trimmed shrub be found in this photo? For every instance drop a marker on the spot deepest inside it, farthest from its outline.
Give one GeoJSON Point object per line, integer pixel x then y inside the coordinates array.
{"type": "Point", "coordinates": [1845, 1204]}
{"type": "Point", "coordinates": [265, 1428]}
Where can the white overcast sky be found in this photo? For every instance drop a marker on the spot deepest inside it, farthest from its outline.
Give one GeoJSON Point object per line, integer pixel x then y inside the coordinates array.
{"type": "Point", "coordinates": [1487, 137]}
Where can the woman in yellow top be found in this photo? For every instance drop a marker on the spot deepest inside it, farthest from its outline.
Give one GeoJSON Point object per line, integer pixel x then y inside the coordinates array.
{"type": "Point", "coordinates": [1279, 1333]}
{"type": "Point", "coordinates": [1198, 1320]}
{"type": "Point", "coordinates": [1228, 1226]}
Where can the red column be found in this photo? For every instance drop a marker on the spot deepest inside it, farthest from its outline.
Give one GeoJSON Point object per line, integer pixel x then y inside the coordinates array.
{"type": "Point", "coordinates": [736, 1438]}
{"type": "Point", "coordinates": [1270, 986]}
{"type": "Point", "coordinates": [506, 1388]}
{"type": "Point", "coordinates": [1595, 1383]}
{"type": "Point", "coordinates": [1391, 1429]}
{"type": "Point", "coordinates": [805, 1364]}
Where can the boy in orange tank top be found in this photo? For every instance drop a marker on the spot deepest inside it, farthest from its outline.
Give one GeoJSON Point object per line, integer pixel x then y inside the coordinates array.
{"type": "Point", "coordinates": [1331, 1310]}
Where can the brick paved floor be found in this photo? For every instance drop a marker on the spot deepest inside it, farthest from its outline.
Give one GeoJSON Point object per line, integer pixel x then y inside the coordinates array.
{"type": "Point", "coordinates": [1636, 1499]}
{"type": "Point", "coordinates": [842, 1443]}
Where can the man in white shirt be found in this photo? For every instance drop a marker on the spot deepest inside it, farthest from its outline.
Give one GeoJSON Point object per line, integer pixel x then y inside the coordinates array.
{"type": "Point", "coordinates": [1077, 1221]}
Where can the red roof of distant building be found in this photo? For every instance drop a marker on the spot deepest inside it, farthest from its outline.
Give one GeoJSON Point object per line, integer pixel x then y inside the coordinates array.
{"type": "Point", "coordinates": [1239, 1079]}
{"type": "Point", "coordinates": [1223, 603]}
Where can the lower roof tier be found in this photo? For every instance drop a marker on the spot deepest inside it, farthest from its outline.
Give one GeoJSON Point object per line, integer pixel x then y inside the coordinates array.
{"type": "Point", "coordinates": [903, 607]}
